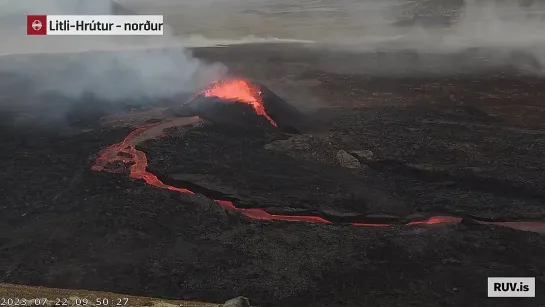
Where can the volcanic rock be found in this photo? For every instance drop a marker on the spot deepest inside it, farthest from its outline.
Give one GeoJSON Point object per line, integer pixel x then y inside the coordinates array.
{"type": "Point", "coordinates": [340, 214]}
{"type": "Point", "coordinates": [347, 160]}
{"type": "Point", "coordinates": [206, 204]}
{"type": "Point", "coordinates": [286, 116]}
{"type": "Point", "coordinates": [318, 148]}
{"type": "Point", "coordinates": [204, 184]}
{"type": "Point", "coordinates": [291, 144]}
{"type": "Point", "coordinates": [240, 301]}
{"type": "Point", "coordinates": [362, 154]}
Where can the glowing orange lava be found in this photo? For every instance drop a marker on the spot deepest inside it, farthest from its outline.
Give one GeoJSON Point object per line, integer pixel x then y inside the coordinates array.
{"type": "Point", "coordinates": [125, 152]}
{"type": "Point", "coordinates": [239, 90]}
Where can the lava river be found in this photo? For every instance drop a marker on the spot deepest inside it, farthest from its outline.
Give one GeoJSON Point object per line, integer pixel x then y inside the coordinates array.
{"type": "Point", "coordinates": [240, 91]}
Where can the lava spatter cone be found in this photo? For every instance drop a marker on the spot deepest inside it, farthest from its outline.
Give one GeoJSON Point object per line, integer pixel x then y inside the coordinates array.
{"type": "Point", "coordinates": [239, 102]}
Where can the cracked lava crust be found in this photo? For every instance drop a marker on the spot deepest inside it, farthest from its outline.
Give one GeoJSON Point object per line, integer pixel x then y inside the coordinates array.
{"type": "Point", "coordinates": [238, 102]}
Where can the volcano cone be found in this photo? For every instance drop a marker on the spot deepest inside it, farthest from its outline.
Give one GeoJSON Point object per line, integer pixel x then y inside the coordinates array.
{"type": "Point", "coordinates": [241, 103]}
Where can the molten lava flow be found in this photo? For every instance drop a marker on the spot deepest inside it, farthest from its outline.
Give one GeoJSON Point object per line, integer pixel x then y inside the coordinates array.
{"type": "Point", "coordinates": [126, 152]}
{"type": "Point", "coordinates": [239, 90]}
{"type": "Point", "coordinates": [437, 220]}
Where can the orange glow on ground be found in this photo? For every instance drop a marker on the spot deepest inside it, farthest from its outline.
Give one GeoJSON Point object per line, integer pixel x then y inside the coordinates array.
{"type": "Point", "coordinates": [438, 220]}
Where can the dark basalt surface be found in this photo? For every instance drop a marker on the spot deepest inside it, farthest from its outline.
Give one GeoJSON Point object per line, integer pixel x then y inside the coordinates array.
{"type": "Point", "coordinates": [64, 225]}
{"type": "Point", "coordinates": [446, 169]}
{"type": "Point", "coordinates": [104, 231]}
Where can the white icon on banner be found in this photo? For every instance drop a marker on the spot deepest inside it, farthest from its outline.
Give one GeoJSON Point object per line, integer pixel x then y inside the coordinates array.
{"type": "Point", "coordinates": [36, 25]}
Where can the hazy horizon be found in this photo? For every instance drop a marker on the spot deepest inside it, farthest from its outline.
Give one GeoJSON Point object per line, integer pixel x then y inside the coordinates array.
{"type": "Point", "coordinates": [505, 32]}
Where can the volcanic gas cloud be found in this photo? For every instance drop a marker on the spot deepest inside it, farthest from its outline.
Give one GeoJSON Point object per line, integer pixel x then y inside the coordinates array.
{"type": "Point", "coordinates": [233, 92]}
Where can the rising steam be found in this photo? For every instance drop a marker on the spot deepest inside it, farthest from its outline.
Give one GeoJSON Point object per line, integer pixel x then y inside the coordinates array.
{"type": "Point", "coordinates": [495, 31]}
{"type": "Point", "coordinates": [109, 68]}
{"type": "Point", "coordinates": [502, 31]}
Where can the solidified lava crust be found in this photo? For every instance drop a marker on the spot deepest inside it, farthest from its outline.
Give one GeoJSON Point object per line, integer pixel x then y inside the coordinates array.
{"type": "Point", "coordinates": [94, 230]}
{"type": "Point", "coordinates": [126, 153]}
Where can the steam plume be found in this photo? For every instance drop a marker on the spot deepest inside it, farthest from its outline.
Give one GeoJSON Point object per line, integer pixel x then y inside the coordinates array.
{"type": "Point", "coordinates": [110, 68]}
{"type": "Point", "coordinates": [503, 32]}
{"type": "Point", "coordinates": [500, 31]}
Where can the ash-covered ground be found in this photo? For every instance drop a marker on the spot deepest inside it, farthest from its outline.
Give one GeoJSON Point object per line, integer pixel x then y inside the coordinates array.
{"type": "Point", "coordinates": [401, 147]}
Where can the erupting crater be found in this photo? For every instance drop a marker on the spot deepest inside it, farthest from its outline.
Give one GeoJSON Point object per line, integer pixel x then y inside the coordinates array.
{"type": "Point", "coordinates": [239, 102]}
{"type": "Point", "coordinates": [236, 102]}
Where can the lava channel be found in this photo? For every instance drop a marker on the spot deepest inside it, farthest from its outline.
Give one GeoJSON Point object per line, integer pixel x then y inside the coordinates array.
{"type": "Point", "coordinates": [239, 91]}
{"type": "Point", "coordinates": [126, 152]}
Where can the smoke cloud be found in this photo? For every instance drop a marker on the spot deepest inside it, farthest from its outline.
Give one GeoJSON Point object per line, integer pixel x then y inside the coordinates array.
{"type": "Point", "coordinates": [36, 70]}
